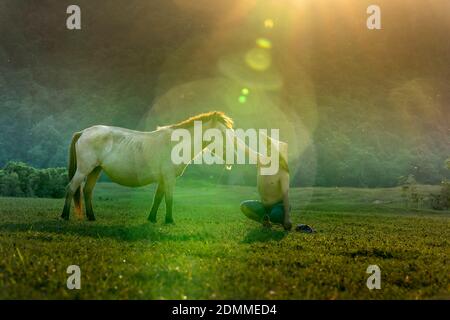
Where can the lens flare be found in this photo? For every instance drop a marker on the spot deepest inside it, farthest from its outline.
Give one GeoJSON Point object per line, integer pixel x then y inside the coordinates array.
{"type": "Point", "coordinates": [235, 68]}
{"type": "Point", "coordinates": [264, 43]}
{"type": "Point", "coordinates": [258, 59]}
{"type": "Point", "coordinates": [269, 24]}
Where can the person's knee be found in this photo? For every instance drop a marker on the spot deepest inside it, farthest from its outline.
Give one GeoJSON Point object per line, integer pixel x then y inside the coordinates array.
{"type": "Point", "coordinates": [244, 207]}
{"type": "Point", "coordinates": [253, 209]}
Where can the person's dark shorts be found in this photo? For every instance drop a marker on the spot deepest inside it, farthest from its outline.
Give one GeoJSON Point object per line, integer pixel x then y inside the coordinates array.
{"type": "Point", "coordinates": [256, 211]}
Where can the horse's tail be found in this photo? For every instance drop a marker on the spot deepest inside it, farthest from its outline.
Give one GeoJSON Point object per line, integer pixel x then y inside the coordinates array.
{"type": "Point", "coordinates": [72, 170]}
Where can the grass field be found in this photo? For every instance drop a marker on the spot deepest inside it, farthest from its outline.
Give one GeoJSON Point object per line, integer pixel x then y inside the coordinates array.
{"type": "Point", "coordinates": [214, 252]}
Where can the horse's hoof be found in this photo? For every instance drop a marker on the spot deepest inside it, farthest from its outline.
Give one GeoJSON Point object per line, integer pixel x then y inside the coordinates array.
{"type": "Point", "coordinates": [152, 220]}
{"type": "Point", "coordinates": [63, 218]}
{"type": "Point", "coordinates": [91, 218]}
{"type": "Point", "coordinates": [169, 221]}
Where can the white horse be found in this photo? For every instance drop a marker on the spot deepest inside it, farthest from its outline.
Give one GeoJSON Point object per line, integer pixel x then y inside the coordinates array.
{"type": "Point", "coordinates": [130, 158]}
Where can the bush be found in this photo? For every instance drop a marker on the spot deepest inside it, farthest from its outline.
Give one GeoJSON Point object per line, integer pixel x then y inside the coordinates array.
{"type": "Point", "coordinates": [410, 193]}
{"type": "Point", "coordinates": [10, 184]}
{"type": "Point", "coordinates": [20, 180]}
{"type": "Point", "coordinates": [442, 201]}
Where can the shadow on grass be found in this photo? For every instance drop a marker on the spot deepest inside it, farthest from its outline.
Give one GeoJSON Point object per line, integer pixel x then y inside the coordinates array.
{"type": "Point", "coordinates": [146, 231]}
{"type": "Point", "coordinates": [263, 235]}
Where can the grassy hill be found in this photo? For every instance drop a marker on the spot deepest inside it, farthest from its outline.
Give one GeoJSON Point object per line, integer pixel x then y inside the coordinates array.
{"type": "Point", "coordinates": [214, 252]}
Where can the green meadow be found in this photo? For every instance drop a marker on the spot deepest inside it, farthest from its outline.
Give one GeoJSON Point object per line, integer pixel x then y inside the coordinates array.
{"type": "Point", "coordinates": [213, 252]}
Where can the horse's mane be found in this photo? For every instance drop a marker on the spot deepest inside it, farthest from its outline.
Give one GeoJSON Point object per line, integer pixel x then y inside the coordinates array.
{"type": "Point", "coordinates": [204, 117]}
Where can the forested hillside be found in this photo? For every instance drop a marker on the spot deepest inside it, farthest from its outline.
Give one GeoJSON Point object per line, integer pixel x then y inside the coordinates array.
{"type": "Point", "coordinates": [358, 107]}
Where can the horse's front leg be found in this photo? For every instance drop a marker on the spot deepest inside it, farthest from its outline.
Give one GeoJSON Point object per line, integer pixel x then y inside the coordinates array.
{"type": "Point", "coordinates": [168, 192]}
{"type": "Point", "coordinates": [159, 194]}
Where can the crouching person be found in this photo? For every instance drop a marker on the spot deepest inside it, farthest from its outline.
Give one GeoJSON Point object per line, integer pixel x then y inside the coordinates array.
{"type": "Point", "coordinates": [273, 206]}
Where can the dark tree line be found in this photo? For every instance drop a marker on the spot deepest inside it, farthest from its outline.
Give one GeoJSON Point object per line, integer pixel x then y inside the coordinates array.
{"type": "Point", "coordinates": [20, 180]}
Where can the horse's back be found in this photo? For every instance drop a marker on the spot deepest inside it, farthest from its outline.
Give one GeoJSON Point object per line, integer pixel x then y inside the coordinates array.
{"type": "Point", "coordinates": [127, 156]}
{"type": "Point", "coordinates": [107, 137]}
{"type": "Point", "coordinates": [103, 130]}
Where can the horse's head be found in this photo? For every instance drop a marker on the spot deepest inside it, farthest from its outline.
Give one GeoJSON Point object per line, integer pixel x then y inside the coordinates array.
{"type": "Point", "coordinates": [208, 120]}
{"type": "Point", "coordinates": [209, 129]}
{"type": "Point", "coordinates": [218, 120]}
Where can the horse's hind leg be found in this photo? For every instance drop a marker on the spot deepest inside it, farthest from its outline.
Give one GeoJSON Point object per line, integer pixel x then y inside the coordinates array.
{"type": "Point", "coordinates": [159, 194]}
{"type": "Point", "coordinates": [87, 190]}
{"type": "Point", "coordinates": [168, 192]}
{"type": "Point", "coordinates": [72, 187]}
{"type": "Point", "coordinates": [77, 203]}
{"type": "Point", "coordinates": [66, 210]}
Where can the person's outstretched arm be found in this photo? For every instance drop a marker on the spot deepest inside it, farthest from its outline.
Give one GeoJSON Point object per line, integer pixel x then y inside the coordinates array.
{"type": "Point", "coordinates": [287, 224]}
